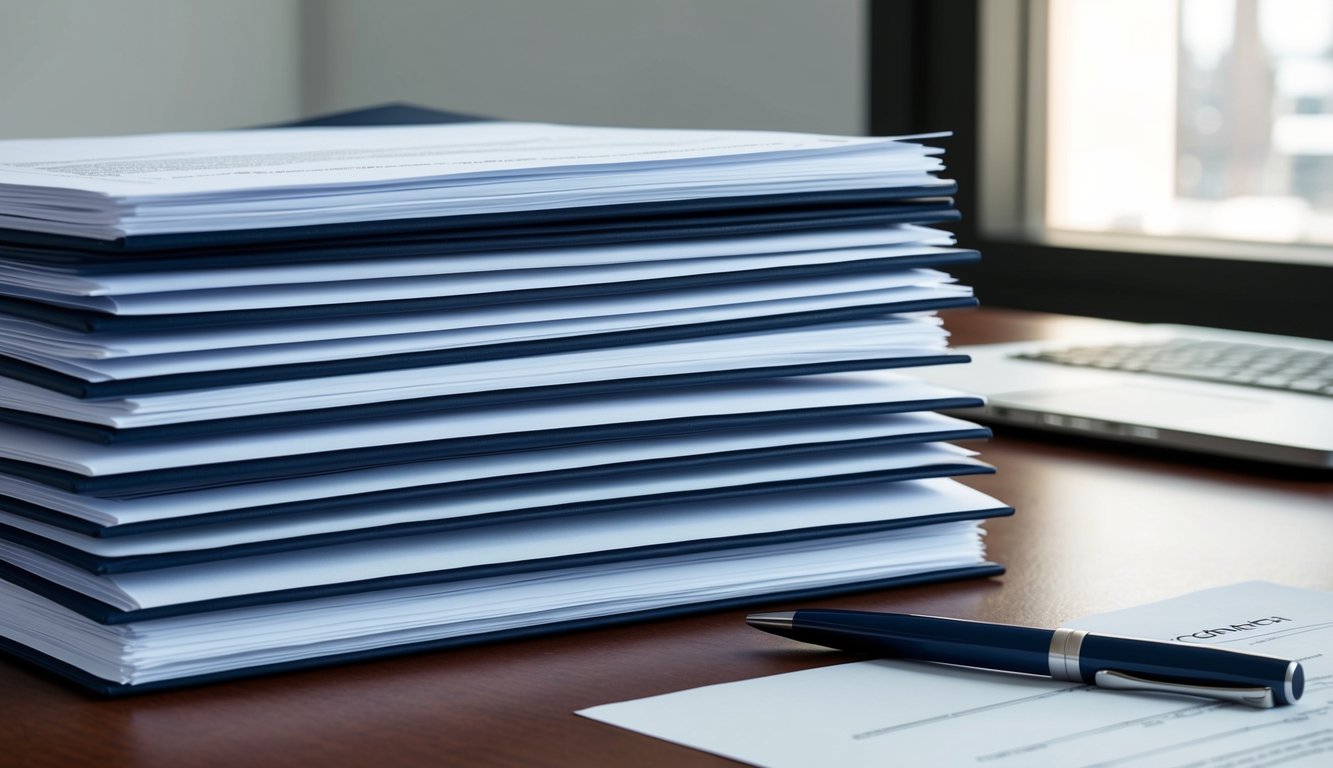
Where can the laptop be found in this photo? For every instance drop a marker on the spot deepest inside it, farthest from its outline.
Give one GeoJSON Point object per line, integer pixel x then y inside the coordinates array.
{"type": "Point", "coordinates": [1252, 396]}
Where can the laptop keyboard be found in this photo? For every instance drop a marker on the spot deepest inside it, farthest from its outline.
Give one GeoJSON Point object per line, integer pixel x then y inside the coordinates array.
{"type": "Point", "coordinates": [1267, 367]}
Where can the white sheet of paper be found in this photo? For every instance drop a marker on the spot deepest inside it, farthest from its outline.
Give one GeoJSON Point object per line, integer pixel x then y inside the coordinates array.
{"type": "Point", "coordinates": [602, 454]}
{"type": "Point", "coordinates": [212, 181]}
{"type": "Point", "coordinates": [756, 397]}
{"type": "Point", "coordinates": [806, 346]}
{"type": "Point", "coordinates": [388, 289]}
{"type": "Point", "coordinates": [284, 159]}
{"type": "Point", "coordinates": [880, 713]}
{"type": "Point", "coordinates": [474, 325]}
{"type": "Point", "coordinates": [722, 474]}
{"type": "Point", "coordinates": [822, 245]}
{"type": "Point", "coordinates": [265, 634]}
{"type": "Point", "coordinates": [509, 543]}
{"type": "Point", "coordinates": [700, 306]}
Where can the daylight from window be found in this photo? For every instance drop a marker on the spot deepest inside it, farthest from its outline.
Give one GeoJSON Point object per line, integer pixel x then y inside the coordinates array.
{"type": "Point", "coordinates": [1193, 118]}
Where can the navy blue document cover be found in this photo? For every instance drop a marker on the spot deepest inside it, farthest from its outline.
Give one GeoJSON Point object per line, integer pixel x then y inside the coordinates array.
{"type": "Point", "coordinates": [440, 490]}
{"type": "Point", "coordinates": [91, 321]}
{"type": "Point", "coordinates": [84, 389]}
{"type": "Point", "coordinates": [176, 479]}
{"type": "Point", "coordinates": [103, 564]}
{"type": "Point", "coordinates": [596, 225]}
{"type": "Point", "coordinates": [98, 433]}
{"type": "Point", "coordinates": [103, 613]}
{"type": "Point", "coordinates": [298, 465]}
{"type": "Point", "coordinates": [110, 689]}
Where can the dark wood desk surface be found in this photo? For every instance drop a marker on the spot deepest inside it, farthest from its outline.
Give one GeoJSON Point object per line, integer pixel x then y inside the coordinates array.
{"type": "Point", "coordinates": [1098, 527]}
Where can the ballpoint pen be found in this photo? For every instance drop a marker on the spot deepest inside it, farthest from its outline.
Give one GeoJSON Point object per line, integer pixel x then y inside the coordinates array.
{"type": "Point", "coordinates": [1076, 655]}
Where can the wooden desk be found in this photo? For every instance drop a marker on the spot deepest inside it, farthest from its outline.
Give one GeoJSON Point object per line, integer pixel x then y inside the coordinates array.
{"type": "Point", "coordinates": [1098, 527]}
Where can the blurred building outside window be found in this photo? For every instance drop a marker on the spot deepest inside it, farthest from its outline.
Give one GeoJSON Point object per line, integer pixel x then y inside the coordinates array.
{"type": "Point", "coordinates": [1190, 118]}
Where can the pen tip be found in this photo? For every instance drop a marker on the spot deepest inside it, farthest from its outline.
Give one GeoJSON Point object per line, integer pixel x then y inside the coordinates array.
{"type": "Point", "coordinates": [771, 620]}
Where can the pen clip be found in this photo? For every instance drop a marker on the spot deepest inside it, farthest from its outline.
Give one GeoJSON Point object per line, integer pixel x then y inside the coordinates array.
{"type": "Point", "coordinates": [1250, 697]}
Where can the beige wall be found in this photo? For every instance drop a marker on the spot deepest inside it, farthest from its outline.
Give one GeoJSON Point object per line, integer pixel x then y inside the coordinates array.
{"type": "Point", "coordinates": [83, 67]}
{"type": "Point", "coordinates": [79, 67]}
{"type": "Point", "coordinates": [789, 64]}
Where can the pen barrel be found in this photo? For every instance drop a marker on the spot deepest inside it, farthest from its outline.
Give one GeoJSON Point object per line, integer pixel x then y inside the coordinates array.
{"type": "Point", "coordinates": [927, 638]}
{"type": "Point", "coordinates": [1190, 664]}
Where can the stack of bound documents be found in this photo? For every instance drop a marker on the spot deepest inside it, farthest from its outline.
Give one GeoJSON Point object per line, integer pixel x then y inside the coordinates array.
{"type": "Point", "coordinates": [284, 397]}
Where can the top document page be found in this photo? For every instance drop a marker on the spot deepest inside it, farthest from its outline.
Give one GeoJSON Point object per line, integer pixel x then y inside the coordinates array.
{"type": "Point", "coordinates": [187, 182]}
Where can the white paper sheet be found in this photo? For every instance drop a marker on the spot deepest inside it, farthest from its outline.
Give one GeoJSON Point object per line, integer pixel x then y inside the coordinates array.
{"type": "Point", "coordinates": [607, 454]}
{"type": "Point", "coordinates": [109, 187]}
{"type": "Point", "coordinates": [555, 491]}
{"type": "Point", "coordinates": [362, 291]}
{"type": "Point", "coordinates": [701, 306]}
{"type": "Point", "coordinates": [473, 326]}
{"type": "Point", "coordinates": [882, 713]}
{"type": "Point", "coordinates": [505, 543]}
{"type": "Point", "coordinates": [219, 162]}
{"type": "Point", "coordinates": [757, 397]}
{"type": "Point", "coordinates": [238, 638]}
{"type": "Point", "coordinates": [844, 244]}
{"type": "Point", "coordinates": [810, 346]}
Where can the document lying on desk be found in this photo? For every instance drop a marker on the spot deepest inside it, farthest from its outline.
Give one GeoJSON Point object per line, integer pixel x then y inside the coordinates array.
{"type": "Point", "coordinates": [879, 713]}
{"type": "Point", "coordinates": [106, 188]}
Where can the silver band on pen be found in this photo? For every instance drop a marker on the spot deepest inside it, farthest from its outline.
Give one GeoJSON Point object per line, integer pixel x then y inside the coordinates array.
{"type": "Point", "coordinates": [1063, 656]}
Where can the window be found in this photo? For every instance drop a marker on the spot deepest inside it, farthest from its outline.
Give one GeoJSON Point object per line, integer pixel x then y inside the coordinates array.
{"type": "Point", "coordinates": [1208, 119]}
{"type": "Point", "coordinates": [1149, 160]}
